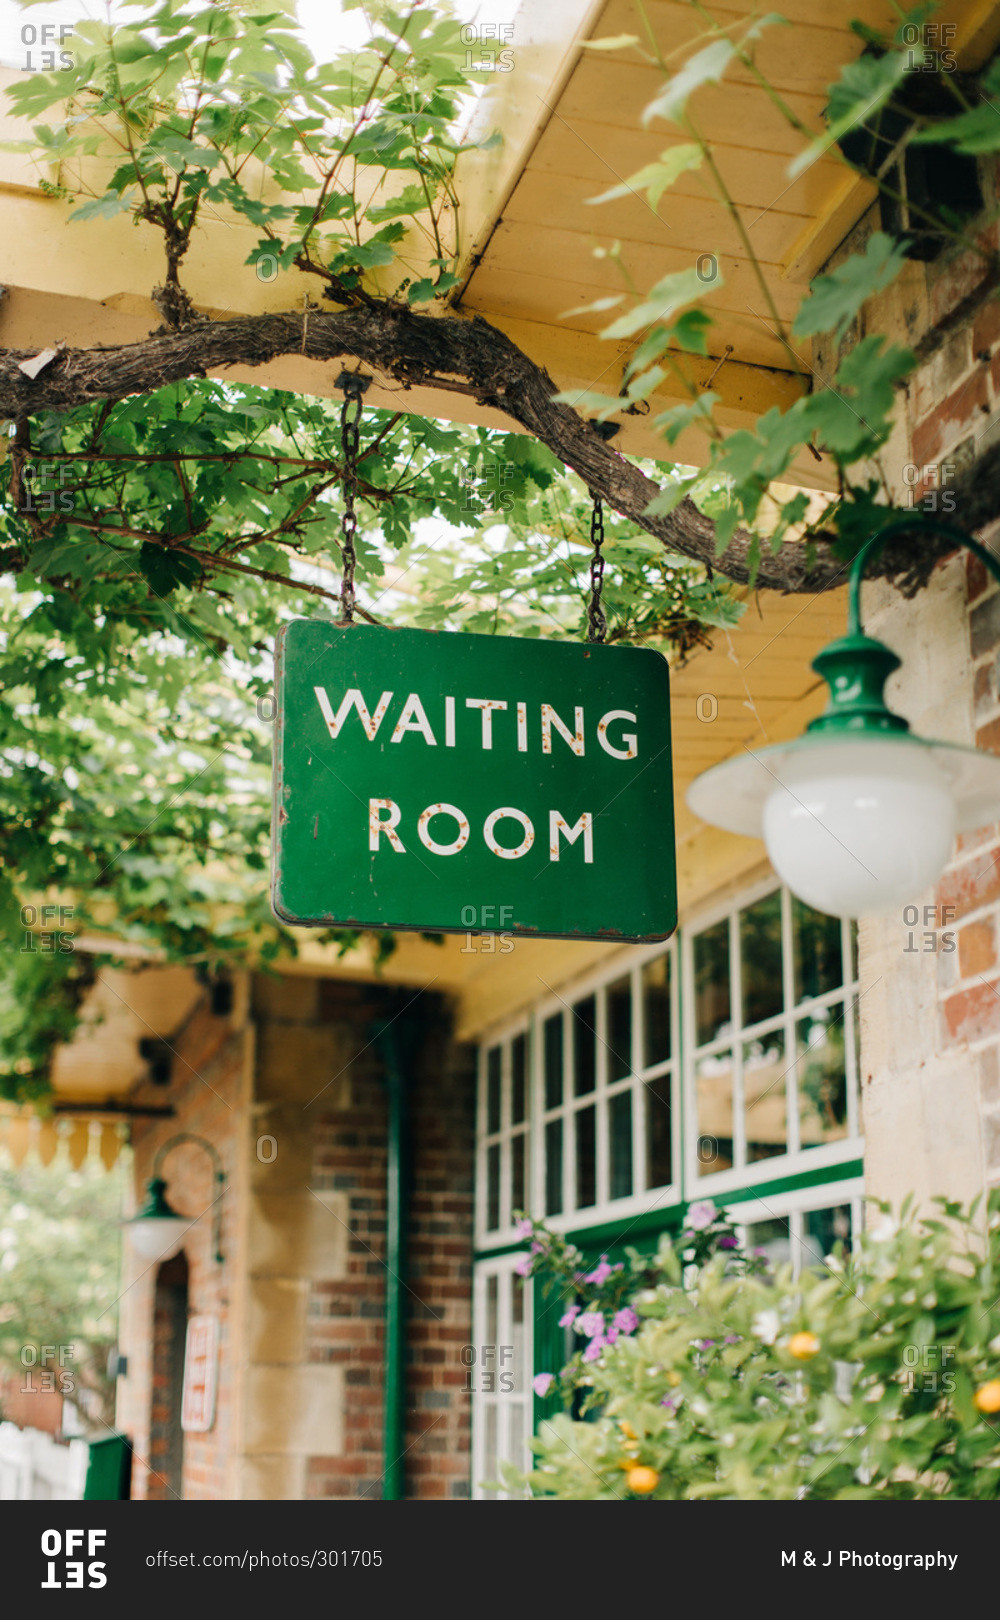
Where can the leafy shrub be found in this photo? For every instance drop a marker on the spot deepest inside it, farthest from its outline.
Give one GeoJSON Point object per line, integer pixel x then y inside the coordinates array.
{"type": "Point", "coordinates": [706, 1374]}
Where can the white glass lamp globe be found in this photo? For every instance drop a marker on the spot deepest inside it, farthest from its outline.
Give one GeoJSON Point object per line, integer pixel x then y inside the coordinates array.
{"type": "Point", "coordinates": [154, 1239]}
{"type": "Point", "coordinates": [156, 1231]}
{"type": "Point", "coordinates": [858, 815]}
{"type": "Point", "coordinates": [859, 827]}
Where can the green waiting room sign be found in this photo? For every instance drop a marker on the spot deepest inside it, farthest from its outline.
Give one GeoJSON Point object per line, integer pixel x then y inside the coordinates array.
{"type": "Point", "coordinates": [459, 783]}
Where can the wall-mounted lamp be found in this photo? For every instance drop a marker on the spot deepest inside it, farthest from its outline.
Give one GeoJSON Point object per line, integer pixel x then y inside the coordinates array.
{"type": "Point", "coordinates": [859, 816]}
{"type": "Point", "coordinates": [157, 1230]}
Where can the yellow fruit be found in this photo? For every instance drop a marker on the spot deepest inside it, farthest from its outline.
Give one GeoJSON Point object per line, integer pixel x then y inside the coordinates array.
{"type": "Point", "coordinates": [803, 1346]}
{"type": "Point", "coordinates": [673, 1378]}
{"type": "Point", "coordinates": [627, 1428]}
{"type": "Point", "coordinates": [642, 1480]}
{"type": "Point", "coordinates": [987, 1397]}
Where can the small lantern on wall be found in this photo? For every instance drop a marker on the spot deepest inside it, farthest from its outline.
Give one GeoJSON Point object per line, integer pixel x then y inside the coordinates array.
{"type": "Point", "coordinates": [156, 1231]}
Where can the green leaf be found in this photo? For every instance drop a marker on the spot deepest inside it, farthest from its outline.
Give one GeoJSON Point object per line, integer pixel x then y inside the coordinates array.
{"type": "Point", "coordinates": [165, 570]}
{"type": "Point", "coordinates": [655, 178]}
{"type": "Point", "coordinates": [972, 133]}
{"type": "Point", "coordinates": [706, 67]}
{"type": "Point", "coordinates": [836, 299]}
{"type": "Point", "coordinates": [669, 295]}
{"type": "Point", "coordinates": [862, 90]}
{"type": "Point", "coordinates": [109, 206]}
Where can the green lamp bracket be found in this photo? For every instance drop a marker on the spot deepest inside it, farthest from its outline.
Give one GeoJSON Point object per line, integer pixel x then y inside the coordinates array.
{"type": "Point", "coordinates": [856, 667]}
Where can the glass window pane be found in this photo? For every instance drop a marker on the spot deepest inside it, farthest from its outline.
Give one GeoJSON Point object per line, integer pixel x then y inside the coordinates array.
{"type": "Point", "coordinates": [819, 1051]}
{"type": "Point", "coordinates": [518, 1454]}
{"type": "Point", "coordinates": [493, 1187]}
{"type": "Point", "coordinates": [765, 1097]}
{"type": "Point", "coordinates": [492, 1309]}
{"type": "Point", "coordinates": [656, 1011]}
{"type": "Point", "coordinates": [585, 1045]}
{"type": "Point", "coordinates": [620, 1128]}
{"type": "Point", "coordinates": [816, 954]}
{"type": "Point", "coordinates": [659, 1147]}
{"type": "Point", "coordinates": [586, 1158]}
{"type": "Point", "coordinates": [711, 982]}
{"type": "Point", "coordinates": [771, 1240]}
{"type": "Point", "coordinates": [760, 959]}
{"type": "Point", "coordinates": [714, 1092]}
{"type": "Point", "coordinates": [553, 1044]}
{"type": "Point", "coordinates": [493, 1060]}
{"type": "Point", "coordinates": [823, 1231]}
{"type": "Point", "coordinates": [554, 1167]}
{"type": "Point", "coordinates": [619, 1029]}
{"type": "Point", "coordinates": [518, 1076]}
{"type": "Point", "coordinates": [517, 1146]}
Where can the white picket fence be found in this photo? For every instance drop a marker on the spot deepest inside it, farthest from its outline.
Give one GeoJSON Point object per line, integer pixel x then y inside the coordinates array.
{"type": "Point", "coordinates": [36, 1468]}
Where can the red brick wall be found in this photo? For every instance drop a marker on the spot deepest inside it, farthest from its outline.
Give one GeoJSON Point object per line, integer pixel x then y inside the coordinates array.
{"type": "Point", "coordinates": [345, 1323]}
{"type": "Point", "coordinates": [954, 413]}
{"type": "Point", "coordinates": [206, 1094]}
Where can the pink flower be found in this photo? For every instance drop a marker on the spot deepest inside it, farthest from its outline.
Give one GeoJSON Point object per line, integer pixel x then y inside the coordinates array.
{"type": "Point", "coordinates": [594, 1348]}
{"type": "Point", "coordinates": [701, 1215]}
{"type": "Point", "coordinates": [611, 1335]}
{"type": "Point", "coordinates": [525, 1228]}
{"type": "Point", "coordinates": [591, 1324]}
{"type": "Point", "coordinates": [600, 1273]}
{"type": "Point", "coordinates": [542, 1383]}
{"type": "Point", "coordinates": [626, 1320]}
{"type": "Point", "coordinates": [570, 1316]}
{"type": "Point", "coordinates": [537, 1248]}
{"type": "Point", "coordinates": [524, 1265]}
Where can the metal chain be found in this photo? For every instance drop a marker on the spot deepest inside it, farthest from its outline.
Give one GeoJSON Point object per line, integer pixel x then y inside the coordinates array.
{"type": "Point", "coordinates": [354, 387]}
{"type": "Point", "coordinates": [596, 621]}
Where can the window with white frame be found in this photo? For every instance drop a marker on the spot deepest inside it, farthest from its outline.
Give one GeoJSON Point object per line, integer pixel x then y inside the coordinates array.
{"type": "Point", "coordinates": [580, 1105]}
{"type": "Point", "coordinates": [503, 1134]}
{"type": "Point", "coordinates": [603, 1063]}
{"type": "Point", "coordinates": [498, 1376]}
{"type": "Point", "coordinates": [804, 1228]}
{"type": "Point", "coordinates": [771, 1047]}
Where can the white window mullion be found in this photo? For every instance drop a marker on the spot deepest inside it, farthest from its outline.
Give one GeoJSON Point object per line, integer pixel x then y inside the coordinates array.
{"type": "Point", "coordinates": [602, 1124]}
{"type": "Point", "coordinates": [736, 1019]}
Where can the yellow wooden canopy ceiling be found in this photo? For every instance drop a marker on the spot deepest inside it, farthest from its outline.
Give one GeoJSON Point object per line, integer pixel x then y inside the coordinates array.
{"type": "Point", "coordinates": [571, 121]}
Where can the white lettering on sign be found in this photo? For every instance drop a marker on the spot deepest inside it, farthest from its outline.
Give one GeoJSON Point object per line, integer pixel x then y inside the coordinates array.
{"type": "Point", "coordinates": [559, 825]}
{"type": "Point", "coordinates": [384, 816]}
{"type": "Point", "coordinates": [444, 810]}
{"type": "Point", "coordinates": [353, 700]}
{"type": "Point", "coordinates": [628, 737]}
{"type": "Point", "coordinates": [377, 826]}
{"type": "Point", "coordinates": [413, 717]}
{"type": "Point", "coordinates": [550, 719]}
{"type": "Point", "coordinates": [507, 814]}
{"type": "Point", "coordinates": [487, 705]}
